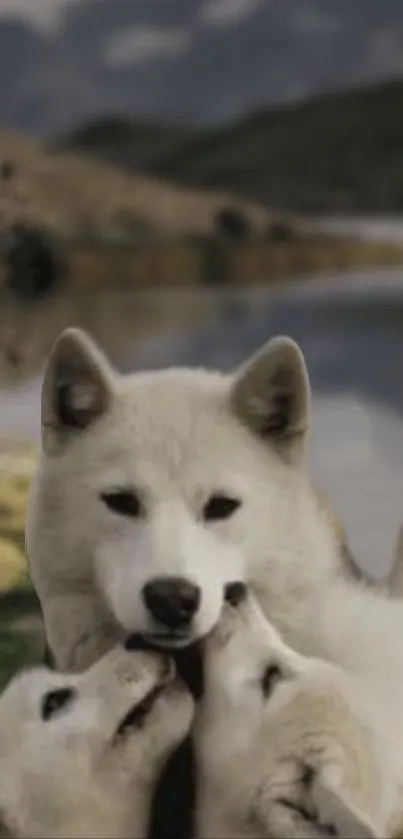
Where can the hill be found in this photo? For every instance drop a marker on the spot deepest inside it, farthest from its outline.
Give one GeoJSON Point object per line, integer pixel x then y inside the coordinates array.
{"type": "Point", "coordinates": [134, 144]}
{"type": "Point", "coordinates": [78, 196]}
{"type": "Point", "coordinates": [335, 152]}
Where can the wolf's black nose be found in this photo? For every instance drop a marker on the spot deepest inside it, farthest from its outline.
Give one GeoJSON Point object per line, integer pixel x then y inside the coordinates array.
{"type": "Point", "coordinates": [172, 601]}
{"type": "Point", "coordinates": [235, 593]}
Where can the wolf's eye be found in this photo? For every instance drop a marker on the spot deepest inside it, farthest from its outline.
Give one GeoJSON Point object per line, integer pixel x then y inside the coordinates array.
{"type": "Point", "coordinates": [125, 502]}
{"type": "Point", "coordinates": [271, 676]}
{"type": "Point", "coordinates": [54, 701]}
{"type": "Point", "coordinates": [220, 507]}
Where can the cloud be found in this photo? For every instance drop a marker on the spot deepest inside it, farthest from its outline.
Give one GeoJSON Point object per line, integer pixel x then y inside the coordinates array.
{"type": "Point", "coordinates": [312, 20]}
{"type": "Point", "coordinates": [383, 55]}
{"type": "Point", "coordinates": [227, 12]}
{"type": "Point", "coordinates": [141, 44]}
{"type": "Point", "coordinates": [43, 14]}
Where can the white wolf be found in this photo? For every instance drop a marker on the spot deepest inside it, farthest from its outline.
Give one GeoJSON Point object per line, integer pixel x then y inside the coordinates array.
{"type": "Point", "coordinates": [156, 490]}
{"type": "Point", "coordinates": [80, 754]}
{"type": "Point", "coordinates": [282, 743]}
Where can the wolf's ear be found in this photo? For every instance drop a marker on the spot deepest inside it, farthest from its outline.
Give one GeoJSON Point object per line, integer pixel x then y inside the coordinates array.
{"type": "Point", "coordinates": [342, 815]}
{"type": "Point", "coordinates": [271, 395]}
{"type": "Point", "coordinates": [78, 383]}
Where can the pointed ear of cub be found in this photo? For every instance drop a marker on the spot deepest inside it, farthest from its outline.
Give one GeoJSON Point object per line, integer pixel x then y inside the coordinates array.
{"type": "Point", "coordinates": [77, 386]}
{"type": "Point", "coordinates": [271, 396]}
{"type": "Point", "coordinates": [345, 818]}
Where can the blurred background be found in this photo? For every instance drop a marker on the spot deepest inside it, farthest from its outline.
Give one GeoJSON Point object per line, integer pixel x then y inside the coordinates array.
{"type": "Point", "coordinates": [185, 179]}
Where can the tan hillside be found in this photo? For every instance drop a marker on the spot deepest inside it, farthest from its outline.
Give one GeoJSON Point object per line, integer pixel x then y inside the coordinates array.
{"type": "Point", "coordinates": [77, 196]}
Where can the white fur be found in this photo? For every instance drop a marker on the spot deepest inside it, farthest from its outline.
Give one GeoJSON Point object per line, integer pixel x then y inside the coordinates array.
{"type": "Point", "coordinates": [70, 776]}
{"type": "Point", "coordinates": [178, 436]}
{"type": "Point", "coordinates": [253, 751]}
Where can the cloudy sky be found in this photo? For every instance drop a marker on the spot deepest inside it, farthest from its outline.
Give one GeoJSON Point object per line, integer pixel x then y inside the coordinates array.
{"type": "Point", "coordinates": [188, 60]}
{"type": "Point", "coordinates": [44, 14]}
{"type": "Point", "coordinates": [140, 44]}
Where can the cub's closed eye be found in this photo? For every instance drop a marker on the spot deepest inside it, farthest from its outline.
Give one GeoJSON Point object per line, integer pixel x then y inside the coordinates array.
{"type": "Point", "coordinates": [125, 502]}
{"type": "Point", "coordinates": [271, 676]}
{"type": "Point", "coordinates": [55, 701]}
{"type": "Point", "coordinates": [220, 507]}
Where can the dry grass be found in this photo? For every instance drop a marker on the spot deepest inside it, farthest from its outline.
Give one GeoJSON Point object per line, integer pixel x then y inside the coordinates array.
{"type": "Point", "coordinates": [76, 195]}
{"type": "Point", "coordinates": [17, 463]}
{"type": "Point", "coordinates": [310, 254]}
{"type": "Point", "coordinates": [12, 565]}
{"type": "Point", "coordinates": [13, 499]}
{"type": "Point", "coordinates": [195, 264]}
{"type": "Point", "coordinates": [191, 264]}
{"type": "Point", "coordinates": [21, 626]}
